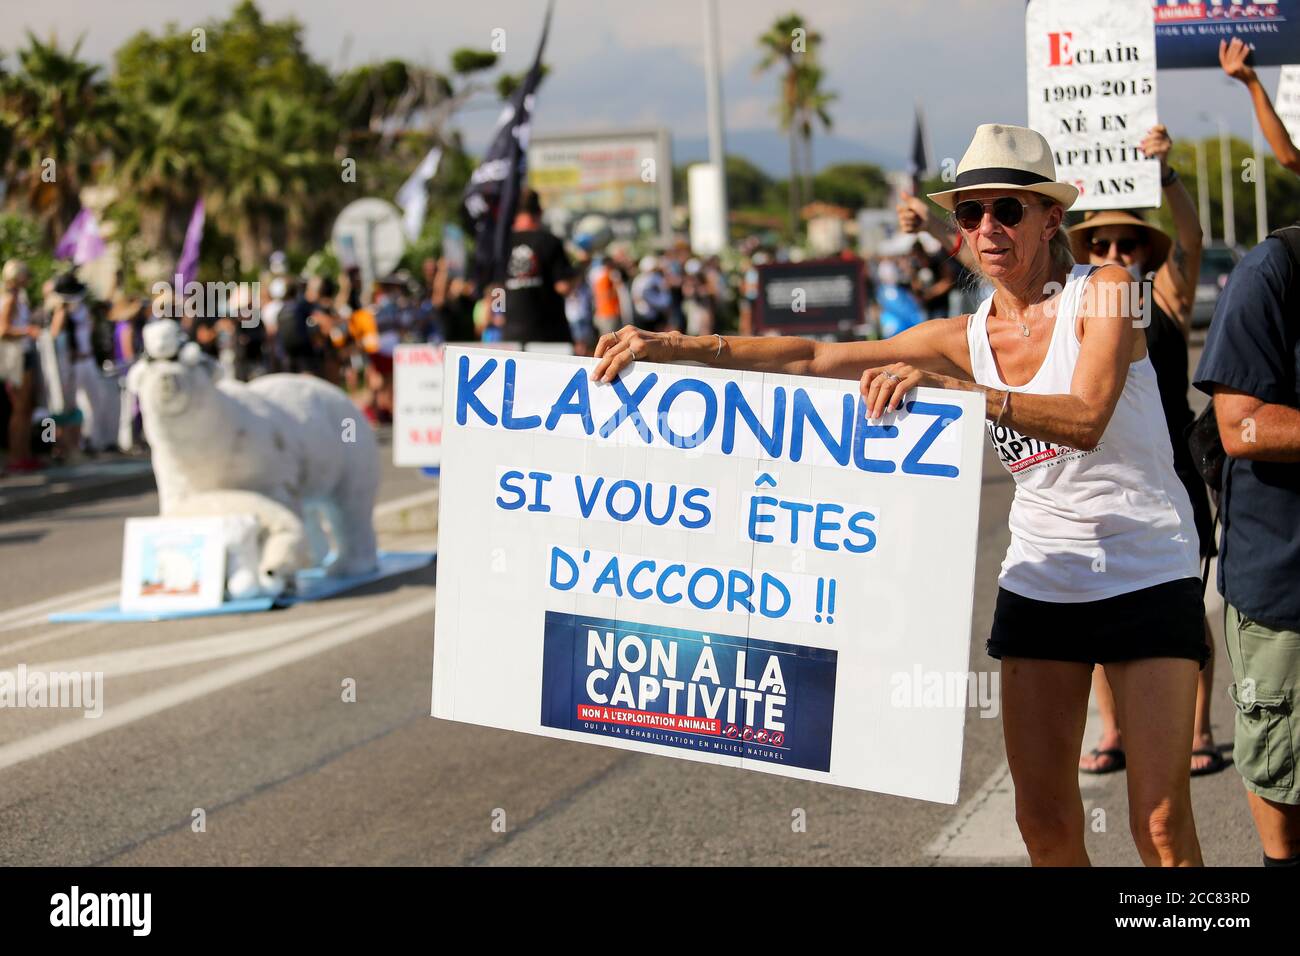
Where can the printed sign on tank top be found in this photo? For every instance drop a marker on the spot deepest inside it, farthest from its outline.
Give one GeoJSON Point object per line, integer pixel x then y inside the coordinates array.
{"type": "Point", "coordinates": [1019, 453]}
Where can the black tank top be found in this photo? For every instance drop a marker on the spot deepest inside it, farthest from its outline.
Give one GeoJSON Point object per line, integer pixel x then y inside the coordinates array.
{"type": "Point", "coordinates": [1167, 347]}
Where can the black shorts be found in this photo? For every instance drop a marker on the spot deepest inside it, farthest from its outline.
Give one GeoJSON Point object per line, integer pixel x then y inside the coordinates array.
{"type": "Point", "coordinates": [1167, 620]}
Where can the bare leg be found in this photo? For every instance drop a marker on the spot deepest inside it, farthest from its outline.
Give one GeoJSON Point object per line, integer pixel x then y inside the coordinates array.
{"type": "Point", "coordinates": [1278, 825]}
{"type": "Point", "coordinates": [1110, 736]}
{"type": "Point", "coordinates": [1156, 702]}
{"type": "Point", "coordinates": [1044, 709]}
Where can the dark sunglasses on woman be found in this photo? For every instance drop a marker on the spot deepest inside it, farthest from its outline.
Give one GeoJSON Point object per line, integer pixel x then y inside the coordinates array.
{"type": "Point", "coordinates": [1007, 210]}
{"type": "Point", "coordinates": [1126, 247]}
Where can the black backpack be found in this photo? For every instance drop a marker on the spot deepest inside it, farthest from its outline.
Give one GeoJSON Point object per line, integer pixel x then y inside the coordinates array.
{"type": "Point", "coordinates": [1203, 433]}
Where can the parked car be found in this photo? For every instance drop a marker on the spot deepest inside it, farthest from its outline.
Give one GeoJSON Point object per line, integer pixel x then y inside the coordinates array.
{"type": "Point", "coordinates": [1217, 263]}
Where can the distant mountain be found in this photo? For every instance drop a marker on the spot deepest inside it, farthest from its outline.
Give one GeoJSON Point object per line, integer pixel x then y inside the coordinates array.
{"type": "Point", "coordinates": [769, 150]}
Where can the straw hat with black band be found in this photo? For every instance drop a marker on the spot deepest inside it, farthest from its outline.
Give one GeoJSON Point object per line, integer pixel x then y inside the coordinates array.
{"type": "Point", "coordinates": [1081, 235]}
{"type": "Point", "coordinates": [1008, 157]}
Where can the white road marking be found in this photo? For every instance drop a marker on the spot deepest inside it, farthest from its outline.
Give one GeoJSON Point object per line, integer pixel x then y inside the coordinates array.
{"type": "Point", "coordinates": [154, 702]}
{"type": "Point", "coordinates": [37, 611]}
{"type": "Point", "coordinates": [156, 657]}
{"type": "Point", "coordinates": [51, 636]}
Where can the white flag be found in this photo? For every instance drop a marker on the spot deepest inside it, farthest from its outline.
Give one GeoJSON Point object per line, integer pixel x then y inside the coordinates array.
{"type": "Point", "coordinates": [413, 198]}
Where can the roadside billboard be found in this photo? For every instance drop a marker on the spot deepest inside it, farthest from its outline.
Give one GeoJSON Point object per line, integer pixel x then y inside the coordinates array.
{"type": "Point", "coordinates": [623, 178]}
{"type": "Point", "coordinates": [814, 296]}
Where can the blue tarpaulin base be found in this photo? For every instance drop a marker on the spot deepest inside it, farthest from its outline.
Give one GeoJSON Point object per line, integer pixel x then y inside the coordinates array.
{"type": "Point", "coordinates": [313, 585]}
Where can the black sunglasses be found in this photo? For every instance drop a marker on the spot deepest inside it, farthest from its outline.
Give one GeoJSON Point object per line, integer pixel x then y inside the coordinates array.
{"type": "Point", "coordinates": [1126, 247]}
{"type": "Point", "coordinates": [1007, 210]}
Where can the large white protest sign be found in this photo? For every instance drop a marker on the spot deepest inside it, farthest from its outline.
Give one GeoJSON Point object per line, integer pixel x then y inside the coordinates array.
{"type": "Point", "coordinates": [1288, 101]}
{"type": "Point", "coordinates": [735, 568]}
{"type": "Point", "coordinates": [1092, 93]}
{"type": "Point", "coordinates": [417, 405]}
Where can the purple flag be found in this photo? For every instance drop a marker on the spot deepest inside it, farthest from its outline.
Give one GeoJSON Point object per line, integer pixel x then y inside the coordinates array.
{"type": "Point", "coordinates": [81, 242]}
{"type": "Point", "coordinates": [188, 264]}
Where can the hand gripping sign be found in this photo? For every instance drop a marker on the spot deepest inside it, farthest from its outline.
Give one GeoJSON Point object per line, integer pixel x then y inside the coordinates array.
{"type": "Point", "coordinates": [726, 567]}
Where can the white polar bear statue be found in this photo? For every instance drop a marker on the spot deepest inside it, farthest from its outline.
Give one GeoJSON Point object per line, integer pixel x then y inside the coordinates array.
{"type": "Point", "coordinates": [293, 439]}
{"type": "Point", "coordinates": [266, 544]}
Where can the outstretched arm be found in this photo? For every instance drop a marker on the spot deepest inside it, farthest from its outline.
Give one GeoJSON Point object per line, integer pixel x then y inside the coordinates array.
{"type": "Point", "coordinates": [1232, 57]}
{"type": "Point", "coordinates": [938, 346]}
{"type": "Point", "coordinates": [1175, 283]}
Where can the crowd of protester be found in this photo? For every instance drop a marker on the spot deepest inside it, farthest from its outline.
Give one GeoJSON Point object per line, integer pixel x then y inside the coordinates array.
{"type": "Point", "coordinates": [344, 329]}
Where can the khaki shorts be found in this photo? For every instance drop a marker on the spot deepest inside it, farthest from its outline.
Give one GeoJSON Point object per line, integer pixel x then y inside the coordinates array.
{"type": "Point", "coordinates": [1266, 690]}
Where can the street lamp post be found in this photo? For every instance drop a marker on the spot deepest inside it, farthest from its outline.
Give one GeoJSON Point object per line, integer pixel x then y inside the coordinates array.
{"type": "Point", "coordinates": [713, 88]}
{"type": "Point", "coordinates": [1225, 161]}
{"type": "Point", "coordinates": [1203, 190]}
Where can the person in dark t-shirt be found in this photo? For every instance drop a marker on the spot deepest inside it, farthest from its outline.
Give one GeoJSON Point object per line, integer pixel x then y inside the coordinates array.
{"type": "Point", "coordinates": [1251, 365]}
{"type": "Point", "coordinates": [538, 277]}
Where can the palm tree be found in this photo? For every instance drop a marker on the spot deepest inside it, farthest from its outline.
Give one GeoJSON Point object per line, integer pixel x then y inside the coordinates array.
{"type": "Point", "coordinates": [168, 157]}
{"type": "Point", "coordinates": [789, 43]}
{"type": "Point", "coordinates": [280, 168]}
{"type": "Point", "coordinates": [61, 120]}
{"type": "Point", "coordinates": [813, 103]}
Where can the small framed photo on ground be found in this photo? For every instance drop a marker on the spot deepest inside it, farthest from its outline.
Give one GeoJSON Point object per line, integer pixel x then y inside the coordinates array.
{"type": "Point", "coordinates": [173, 564]}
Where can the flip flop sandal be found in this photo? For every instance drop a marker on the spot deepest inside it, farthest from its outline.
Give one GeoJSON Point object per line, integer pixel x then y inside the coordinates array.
{"type": "Point", "coordinates": [1117, 761]}
{"type": "Point", "coordinates": [1216, 763]}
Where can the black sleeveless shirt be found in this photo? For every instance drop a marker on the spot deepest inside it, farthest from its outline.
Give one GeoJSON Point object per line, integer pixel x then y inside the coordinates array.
{"type": "Point", "coordinates": [1167, 347]}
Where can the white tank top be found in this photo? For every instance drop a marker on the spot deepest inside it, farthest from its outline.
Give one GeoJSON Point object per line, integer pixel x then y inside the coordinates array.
{"type": "Point", "coordinates": [1089, 525]}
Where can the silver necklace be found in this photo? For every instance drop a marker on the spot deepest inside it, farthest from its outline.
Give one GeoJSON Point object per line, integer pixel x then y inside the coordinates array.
{"type": "Point", "coordinates": [1024, 329]}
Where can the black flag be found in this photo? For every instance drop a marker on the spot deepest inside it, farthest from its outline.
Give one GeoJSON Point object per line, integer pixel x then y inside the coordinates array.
{"type": "Point", "coordinates": [493, 191]}
{"type": "Point", "coordinates": [920, 163]}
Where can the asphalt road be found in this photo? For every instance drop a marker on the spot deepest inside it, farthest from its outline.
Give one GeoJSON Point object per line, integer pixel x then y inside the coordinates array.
{"type": "Point", "coordinates": [239, 723]}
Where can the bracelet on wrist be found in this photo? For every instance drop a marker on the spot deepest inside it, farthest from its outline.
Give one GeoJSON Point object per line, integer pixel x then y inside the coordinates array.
{"type": "Point", "coordinates": [1169, 178]}
{"type": "Point", "coordinates": [1006, 400]}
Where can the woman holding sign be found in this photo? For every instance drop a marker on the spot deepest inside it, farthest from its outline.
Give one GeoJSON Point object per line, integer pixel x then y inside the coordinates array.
{"type": "Point", "coordinates": [1102, 566]}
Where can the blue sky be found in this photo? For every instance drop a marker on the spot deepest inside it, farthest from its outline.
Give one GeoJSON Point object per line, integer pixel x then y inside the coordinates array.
{"type": "Point", "coordinates": [636, 63]}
